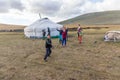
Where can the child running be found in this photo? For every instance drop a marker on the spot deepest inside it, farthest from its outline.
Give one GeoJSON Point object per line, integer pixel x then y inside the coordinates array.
{"type": "Point", "coordinates": [48, 45]}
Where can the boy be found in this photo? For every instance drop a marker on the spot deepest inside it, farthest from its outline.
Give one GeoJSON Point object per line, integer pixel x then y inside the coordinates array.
{"type": "Point", "coordinates": [43, 33]}
{"type": "Point", "coordinates": [48, 45]}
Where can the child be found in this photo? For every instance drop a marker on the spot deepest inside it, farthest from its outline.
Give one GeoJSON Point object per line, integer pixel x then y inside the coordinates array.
{"type": "Point", "coordinates": [43, 33]}
{"type": "Point", "coordinates": [49, 32]}
{"type": "Point", "coordinates": [79, 32]}
{"type": "Point", "coordinates": [60, 35]}
{"type": "Point", "coordinates": [64, 36]}
{"type": "Point", "coordinates": [48, 45]}
{"type": "Point", "coordinates": [80, 37]}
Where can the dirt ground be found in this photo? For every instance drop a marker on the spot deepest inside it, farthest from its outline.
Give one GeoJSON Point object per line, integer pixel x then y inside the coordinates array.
{"type": "Point", "coordinates": [94, 59]}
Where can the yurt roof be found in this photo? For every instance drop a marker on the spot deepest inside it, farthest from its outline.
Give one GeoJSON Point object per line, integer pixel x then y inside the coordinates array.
{"type": "Point", "coordinates": [44, 23]}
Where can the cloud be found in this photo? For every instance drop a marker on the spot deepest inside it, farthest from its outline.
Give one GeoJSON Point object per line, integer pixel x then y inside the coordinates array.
{"type": "Point", "coordinates": [76, 8]}
{"type": "Point", "coordinates": [72, 8]}
{"type": "Point", "coordinates": [61, 8]}
{"type": "Point", "coordinates": [6, 5]}
{"type": "Point", "coordinates": [95, 1]}
{"type": "Point", "coordinates": [17, 4]}
{"type": "Point", "coordinates": [56, 9]}
{"type": "Point", "coordinates": [103, 5]}
{"type": "Point", "coordinates": [45, 7]}
{"type": "Point", "coordinates": [110, 5]}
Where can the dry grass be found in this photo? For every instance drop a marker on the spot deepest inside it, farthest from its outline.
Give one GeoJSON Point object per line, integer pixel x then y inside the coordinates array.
{"type": "Point", "coordinates": [10, 27]}
{"type": "Point", "coordinates": [75, 25]}
{"type": "Point", "coordinates": [94, 59]}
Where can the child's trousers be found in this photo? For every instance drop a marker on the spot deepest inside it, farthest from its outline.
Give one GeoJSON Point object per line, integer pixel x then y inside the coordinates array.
{"type": "Point", "coordinates": [48, 53]}
{"type": "Point", "coordinates": [80, 39]}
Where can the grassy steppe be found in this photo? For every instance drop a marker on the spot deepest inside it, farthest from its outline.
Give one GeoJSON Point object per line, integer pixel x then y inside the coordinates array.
{"type": "Point", "coordinates": [94, 59]}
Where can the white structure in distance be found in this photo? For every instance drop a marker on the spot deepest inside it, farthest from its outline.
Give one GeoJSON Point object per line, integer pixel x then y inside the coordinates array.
{"type": "Point", "coordinates": [35, 30]}
{"type": "Point", "coordinates": [112, 36]}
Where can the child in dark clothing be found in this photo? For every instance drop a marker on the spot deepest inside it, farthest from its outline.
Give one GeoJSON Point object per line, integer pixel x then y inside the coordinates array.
{"type": "Point", "coordinates": [49, 32]}
{"type": "Point", "coordinates": [43, 33]}
{"type": "Point", "coordinates": [48, 46]}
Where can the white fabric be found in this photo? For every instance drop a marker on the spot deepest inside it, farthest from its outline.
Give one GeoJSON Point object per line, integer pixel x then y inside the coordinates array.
{"type": "Point", "coordinates": [35, 29]}
{"type": "Point", "coordinates": [112, 35]}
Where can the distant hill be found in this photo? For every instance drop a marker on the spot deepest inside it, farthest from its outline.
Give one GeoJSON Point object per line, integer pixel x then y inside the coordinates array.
{"type": "Point", "coordinates": [11, 28]}
{"type": "Point", "coordinates": [97, 18]}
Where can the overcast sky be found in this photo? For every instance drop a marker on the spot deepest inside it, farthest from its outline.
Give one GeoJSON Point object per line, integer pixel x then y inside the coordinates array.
{"type": "Point", "coordinates": [24, 12]}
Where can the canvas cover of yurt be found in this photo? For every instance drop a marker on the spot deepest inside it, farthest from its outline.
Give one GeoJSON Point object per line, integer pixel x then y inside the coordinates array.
{"type": "Point", "coordinates": [112, 36]}
{"type": "Point", "coordinates": [35, 30]}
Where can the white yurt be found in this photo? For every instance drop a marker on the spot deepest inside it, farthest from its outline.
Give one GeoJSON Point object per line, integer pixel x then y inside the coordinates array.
{"type": "Point", "coordinates": [112, 36]}
{"type": "Point", "coordinates": [35, 29]}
